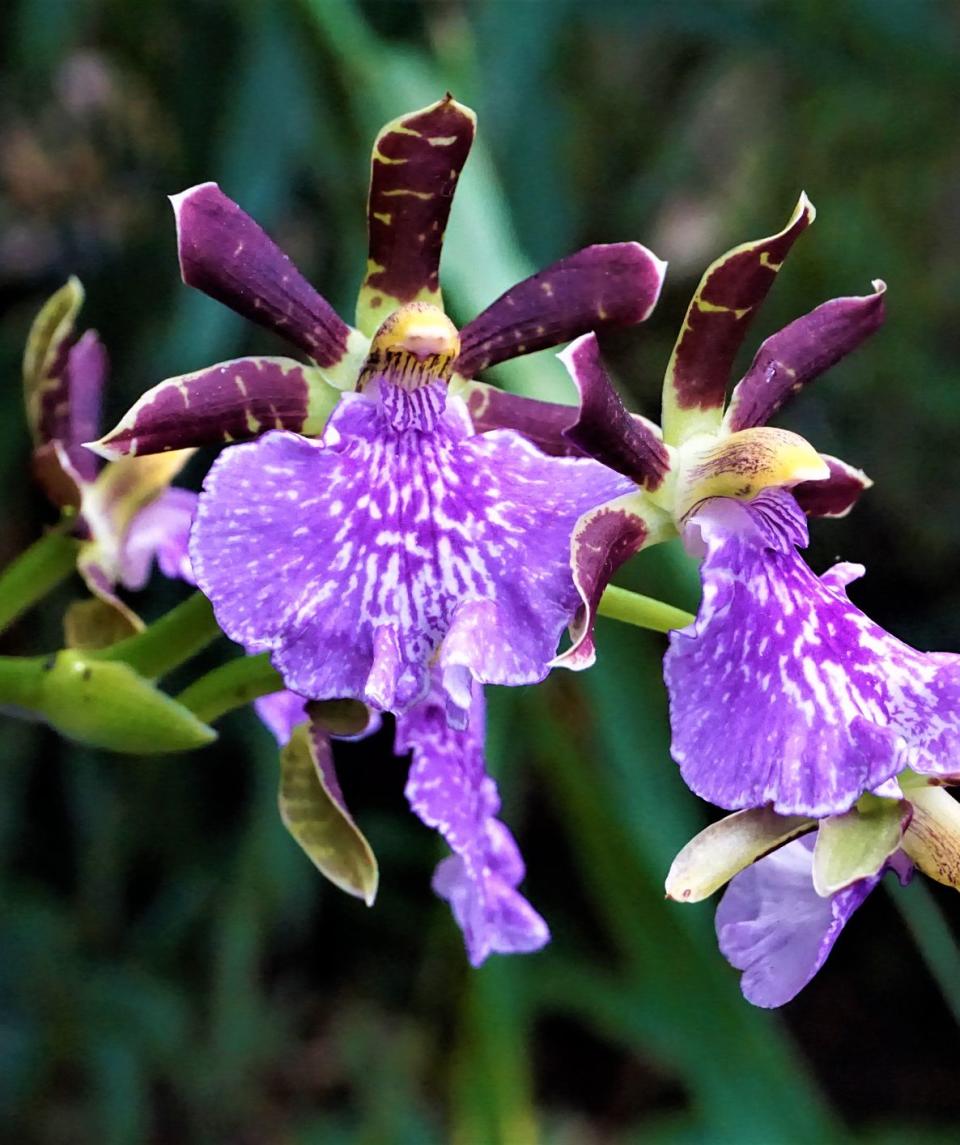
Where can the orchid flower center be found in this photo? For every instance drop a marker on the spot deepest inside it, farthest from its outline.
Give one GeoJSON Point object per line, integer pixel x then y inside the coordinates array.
{"type": "Point", "coordinates": [415, 346]}
{"type": "Point", "coordinates": [410, 364]}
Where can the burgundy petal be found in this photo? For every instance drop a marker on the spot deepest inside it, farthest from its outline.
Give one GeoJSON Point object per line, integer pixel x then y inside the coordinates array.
{"type": "Point", "coordinates": [603, 539]}
{"type": "Point", "coordinates": [604, 429]}
{"type": "Point", "coordinates": [224, 253]}
{"type": "Point", "coordinates": [543, 423]}
{"type": "Point", "coordinates": [598, 287]}
{"type": "Point", "coordinates": [720, 312]}
{"type": "Point", "coordinates": [416, 163]}
{"type": "Point", "coordinates": [837, 494]}
{"type": "Point", "coordinates": [232, 401]}
{"type": "Point", "coordinates": [800, 353]}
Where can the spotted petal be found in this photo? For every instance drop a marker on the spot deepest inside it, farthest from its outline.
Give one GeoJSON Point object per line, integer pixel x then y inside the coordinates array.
{"type": "Point", "coordinates": [604, 429]}
{"type": "Point", "coordinates": [836, 494]}
{"type": "Point", "coordinates": [800, 353]}
{"type": "Point", "coordinates": [449, 789]}
{"type": "Point", "coordinates": [725, 303]}
{"type": "Point", "coordinates": [603, 539]}
{"type": "Point", "coordinates": [232, 401]}
{"type": "Point", "coordinates": [772, 924]}
{"type": "Point", "coordinates": [543, 423]}
{"type": "Point", "coordinates": [224, 253]}
{"type": "Point", "coordinates": [417, 160]}
{"type": "Point", "coordinates": [596, 288]}
{"type": "Point", "coordinates": [353, 560]}
{"type": "Point", "coordinates": [782, 691]}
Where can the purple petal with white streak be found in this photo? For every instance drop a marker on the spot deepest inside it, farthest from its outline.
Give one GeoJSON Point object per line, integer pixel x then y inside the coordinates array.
{"type": "Point", "coordinates": [784, 692]}
{"type": "Point", "coordinates": [772, 924]}
{"type": "Point", "coordinates": [352, 560]}
{"type": "Point", "coordinates": [160, 530]}
{"type": "Point", "coordinates": [449, 789]}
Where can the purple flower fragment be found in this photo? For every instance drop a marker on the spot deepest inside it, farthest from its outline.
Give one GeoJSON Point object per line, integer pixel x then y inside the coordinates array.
{"type": "Point", "coordinates": [774, 927]}
{"type": "Point", "coordinates": [124, 512]}
{"type": "Point", "coordinates": [449, 789]}
{"type": "Point", "coordinates": [782, 691]}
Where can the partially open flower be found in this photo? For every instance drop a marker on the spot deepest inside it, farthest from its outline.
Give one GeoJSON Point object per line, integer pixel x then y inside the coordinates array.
{"type": "Point", "coordinates": [792, 891]}
{"type": "Point", "coordinates": [124, 512]}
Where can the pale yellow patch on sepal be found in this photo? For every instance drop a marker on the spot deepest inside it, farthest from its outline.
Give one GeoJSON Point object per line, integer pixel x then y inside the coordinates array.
{"type": "Point", "coordinates": [51, 328]}
{"type": "Point", "coordinates": [726, 847]}
{"type": "Point", "coordinates": [932, 840]}
{"type": "Point", "coordinates": [743, 464]}
{"type": "Point", "coordinates": [319, 822]}
{"type": "Point", "coordinates": [855, 845]}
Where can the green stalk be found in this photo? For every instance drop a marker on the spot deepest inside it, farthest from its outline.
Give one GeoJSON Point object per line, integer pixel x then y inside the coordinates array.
{"type": "Point", "coordinates": [641, 611]}
{"type": "Point", "coordinates": [35, 573]}
{"type": "Point", "coordinates": [168, 642]}
{"type": "Point", "coordinates": [232, 685]}
{"type": "Point", "coordinates": [21, 681]}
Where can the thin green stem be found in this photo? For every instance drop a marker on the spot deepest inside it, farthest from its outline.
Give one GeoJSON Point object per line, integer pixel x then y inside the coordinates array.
{"type": "Point", "coordinates": [168, 642]}
{"type": "Point", "coordinates": [642, 611]}
{"type": "Point", "coordinates": [35, 573]}
{"type": "Point", "coordinates": [21, 681]}
{"type": "Point", "coordinates": [232, 685]}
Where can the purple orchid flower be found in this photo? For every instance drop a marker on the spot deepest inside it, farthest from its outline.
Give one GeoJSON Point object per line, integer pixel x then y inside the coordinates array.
{"type": "Point", "coordinates": [702, 451]}
{"type": "Point", "coordinates": [794, 883]}
{"type": "Point", "coordinates": [448, 789]}
{"type": "Point", "coordinates": [402, 543]}
{"type": "Point", "coordinates": [783, 691]}
{"type": "Point", "coordinates": [124, 512]}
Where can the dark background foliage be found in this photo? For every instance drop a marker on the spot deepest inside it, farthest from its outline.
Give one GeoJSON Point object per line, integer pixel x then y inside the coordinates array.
{"type": "Point", "coordinates": [171, 968]}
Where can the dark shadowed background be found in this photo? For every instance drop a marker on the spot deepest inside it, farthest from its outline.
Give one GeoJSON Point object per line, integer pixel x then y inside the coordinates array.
{"type": "Point", "coordinates": [172, 969]}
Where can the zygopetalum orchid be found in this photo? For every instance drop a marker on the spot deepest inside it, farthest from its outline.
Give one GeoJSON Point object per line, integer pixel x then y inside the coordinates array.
{"type": "Point", "coordinates": [377, 545]}
{"type": "Point", "coordinates": [795, 882]}
{"type": "Point", "coordinates": [124, 513]}
{"type": "Point", "coordinates": [781, 692]}
{"type": "Point", "coordinates": [400, 544]}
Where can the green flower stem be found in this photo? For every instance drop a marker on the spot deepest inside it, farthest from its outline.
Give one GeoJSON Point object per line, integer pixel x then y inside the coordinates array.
{"type": "Point", "coordinates": [36, 573]}
{"type": "Point", "coordinates": [232, 685]}
{"type": "Point", "coordinates": [168, 642]}
{"type": "Point", "coordinates": [642, 611]}
{"type": "Point", "coordinates": [21, 681]}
